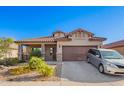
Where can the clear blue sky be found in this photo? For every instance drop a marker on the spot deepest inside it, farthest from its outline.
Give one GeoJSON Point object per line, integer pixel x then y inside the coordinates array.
{"type": "Point", "coordinates": [29, 22]}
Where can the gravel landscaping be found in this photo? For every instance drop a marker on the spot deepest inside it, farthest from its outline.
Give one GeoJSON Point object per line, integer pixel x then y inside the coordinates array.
{"type": "Point", "coordinates": [31, 76]}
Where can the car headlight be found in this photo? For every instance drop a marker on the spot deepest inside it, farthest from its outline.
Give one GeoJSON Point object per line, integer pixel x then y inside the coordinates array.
{"type": "Point", "coordinates": [111, 65]}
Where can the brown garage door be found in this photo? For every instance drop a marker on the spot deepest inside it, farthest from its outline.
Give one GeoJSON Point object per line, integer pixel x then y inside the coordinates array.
{"type": "Point", "coordinates": [75, 53]}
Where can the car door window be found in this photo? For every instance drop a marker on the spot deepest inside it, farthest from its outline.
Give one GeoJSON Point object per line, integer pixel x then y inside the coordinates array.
{"type": "Point", "coordinates": [97, 54]}
{"type": "Point", "coordinates": [93, 52]}
{"type": "Point", "coordinates": [90, 51]}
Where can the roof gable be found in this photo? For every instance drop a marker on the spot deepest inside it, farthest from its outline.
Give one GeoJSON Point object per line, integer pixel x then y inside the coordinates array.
{"type": "Point", "coordinates": [58, 32]}
{"type": "Point", "coordinates": [80, 30]}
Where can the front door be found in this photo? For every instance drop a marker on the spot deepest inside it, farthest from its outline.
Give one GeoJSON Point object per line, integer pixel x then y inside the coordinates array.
{"type": "Point", "coordinates": [50, 52]}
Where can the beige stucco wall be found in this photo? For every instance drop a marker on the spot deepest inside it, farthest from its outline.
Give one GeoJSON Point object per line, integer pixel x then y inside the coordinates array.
{"type": "Point", "coordinates": [75, 42]}
{"type": "Point", "coordinates": [119, 49]}
{"type": "Point", "coordinates": [80, 42]}
{"type": "Point", "coordinates": [14, 50]}
{"type": "Point", "coordinates": [14, 46]}
{"type": "Point", "coordinates": [78, 39]}
{"type": "Point", "coordinates": [59, 34]}
{"type": "Point", "coordinates": [13, 53]}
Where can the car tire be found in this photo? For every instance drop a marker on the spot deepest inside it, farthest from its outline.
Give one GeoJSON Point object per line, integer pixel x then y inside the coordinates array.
{"type": "Point", "coordinates": [101, 68]}
{"type": "Point", "coordinates": [88, 60]}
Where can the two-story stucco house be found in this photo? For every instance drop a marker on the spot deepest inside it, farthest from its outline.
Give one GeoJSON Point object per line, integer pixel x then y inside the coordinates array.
{"type": "Point", "coordinates": [60, 46]}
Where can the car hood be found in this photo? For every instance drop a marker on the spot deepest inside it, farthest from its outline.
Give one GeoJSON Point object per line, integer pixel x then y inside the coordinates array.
{"type": "Point", "coordinates": [116, 61]}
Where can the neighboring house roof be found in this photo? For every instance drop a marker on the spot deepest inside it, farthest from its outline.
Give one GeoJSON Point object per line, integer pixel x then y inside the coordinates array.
{"type": "Point", "coordinates": [114, 44]}
{"type": "Point", "coordinates": [55, 39]}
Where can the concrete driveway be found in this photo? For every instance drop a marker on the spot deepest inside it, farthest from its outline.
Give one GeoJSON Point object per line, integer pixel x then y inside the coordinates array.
{"type": "Point", "coordinates": [85, 73]}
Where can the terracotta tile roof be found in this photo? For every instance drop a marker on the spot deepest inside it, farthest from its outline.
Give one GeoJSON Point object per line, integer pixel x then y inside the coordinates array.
{"type": "Point", "coordinates": [114, 44]}
{"type": "Point", "coordinates": [97, 38]}
{"type": "Point", "coordinates": [42, 39]}
{"type": "Point", "coordinates": [80, 30]}
{"type": "Point", "coordinates": [65, 38]}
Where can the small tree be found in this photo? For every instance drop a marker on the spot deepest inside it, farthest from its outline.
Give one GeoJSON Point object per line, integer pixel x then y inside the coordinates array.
{"type": "Point", "coordinates": [5, 46]}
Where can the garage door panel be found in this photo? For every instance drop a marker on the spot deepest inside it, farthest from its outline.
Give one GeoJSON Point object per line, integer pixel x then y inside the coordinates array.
{"type": "Point", "coordinates": [75, 53]}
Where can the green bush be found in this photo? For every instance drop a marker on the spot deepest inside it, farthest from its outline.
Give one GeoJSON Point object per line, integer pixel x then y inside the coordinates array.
{"type": "Point", "coordinates": [35, 62]}
{"type": "Point", "coordinates": [9, 61]}
{"type": "Point", "coordinates": [40, 65]}
{"type": "Point", "coordinates": [12, 61]}
{"type": "Point", "coordinates": [20, 70]}
{"type": "Point", "coordinates": [21, 61]}
{"type": "Point", "coordinates": [2, 62]}
{"type": "Point", "coordinates": [45, 70]}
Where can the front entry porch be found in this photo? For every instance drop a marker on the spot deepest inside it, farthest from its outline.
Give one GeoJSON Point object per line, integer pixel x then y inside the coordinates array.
{"type": "Point", "coordinates": [48, 51]}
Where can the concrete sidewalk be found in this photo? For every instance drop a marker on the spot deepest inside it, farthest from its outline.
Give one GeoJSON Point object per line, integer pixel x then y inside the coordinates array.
{"type": "Point", "coordinates": [59, 83]}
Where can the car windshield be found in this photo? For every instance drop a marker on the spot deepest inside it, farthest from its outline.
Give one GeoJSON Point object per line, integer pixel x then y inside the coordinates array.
{"type": "Point", "coordinates": [111, 55]}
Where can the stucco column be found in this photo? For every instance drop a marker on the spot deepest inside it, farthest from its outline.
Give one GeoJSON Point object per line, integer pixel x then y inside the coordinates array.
{"type": "Point", "coordinates": [43, 50]}
{"type": "Point", "coordinates": [59, 52]}
{"type": "Point", "coordinates": [100, 45]}
{"type": "Point", "coordinates": [20, 51]}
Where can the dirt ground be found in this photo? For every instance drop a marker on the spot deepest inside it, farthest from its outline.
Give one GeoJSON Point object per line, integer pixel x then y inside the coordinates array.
{"type": "Point", "coordinates": [32, 76]}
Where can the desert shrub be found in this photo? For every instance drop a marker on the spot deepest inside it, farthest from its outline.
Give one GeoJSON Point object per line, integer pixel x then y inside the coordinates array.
{"type": "Point", "coordinates": [9, 61]}
{"type": "Point", "coordinates": [20, 70]}
{"type": "Point", "coordinates": [35, 62]}
{"type": "Point", "coordinates": [21, 61]}
{"type": "Point", "coordinates": [12, 61]}
{"type": "Point", "coordinates": [45, 70]}
{"type": "Point", "coordinates": [2, 62]}
{"type": "Point", "coordinates": [40, 65]}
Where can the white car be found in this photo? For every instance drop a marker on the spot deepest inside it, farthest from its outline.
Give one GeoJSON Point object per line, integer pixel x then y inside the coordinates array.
{"type": "Point", "coordinates": [106, 60]}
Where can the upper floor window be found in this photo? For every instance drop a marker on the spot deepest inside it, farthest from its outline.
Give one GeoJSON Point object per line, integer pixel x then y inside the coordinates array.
{"type": "Point", "coordinates": [58, 34]}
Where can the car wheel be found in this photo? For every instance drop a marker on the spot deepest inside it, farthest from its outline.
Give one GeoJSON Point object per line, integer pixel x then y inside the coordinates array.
{"type": "Point", "coordinates": [88, 60]}
{"type": "Point", "coordinates": [101, 68]}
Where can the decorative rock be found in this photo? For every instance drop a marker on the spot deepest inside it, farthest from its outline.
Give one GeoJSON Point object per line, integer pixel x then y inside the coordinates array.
{"type": "Point", "coordinates": [2, 67]}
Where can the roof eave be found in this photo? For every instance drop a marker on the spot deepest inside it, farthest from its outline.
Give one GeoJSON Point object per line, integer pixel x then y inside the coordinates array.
{"type": "Point", "coordinates": [99, 39]}
{"type": "Point", "coordinates": [33, 41]}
